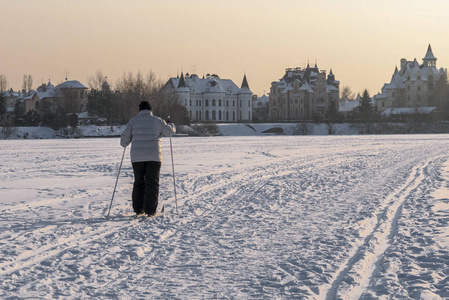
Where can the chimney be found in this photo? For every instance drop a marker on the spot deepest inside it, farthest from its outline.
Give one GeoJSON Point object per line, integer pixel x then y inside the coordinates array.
{"type": "Point", "coordinates": [403, 63]}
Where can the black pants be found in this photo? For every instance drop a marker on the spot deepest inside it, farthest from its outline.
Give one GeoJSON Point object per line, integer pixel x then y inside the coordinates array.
{"type": "Point", "coordinates": [146, 186]}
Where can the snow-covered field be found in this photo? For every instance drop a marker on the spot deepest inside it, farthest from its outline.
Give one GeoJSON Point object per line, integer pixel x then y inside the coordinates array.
{"type": "Point", "coordinates": [274, 217]}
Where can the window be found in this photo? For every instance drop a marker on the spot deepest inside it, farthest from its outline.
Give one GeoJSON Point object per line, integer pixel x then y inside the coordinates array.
{"type": "Point", "coordinates": [81, 94]}
{"type": "Point", "coordinates": [219, 102]}
{"type": "Point", "coordinates": [207, 104]}
{"type": "Point", "coordinates": [213, 102]}
{"type": "Point", "coordinates": [207, 115]}
{"type": "Point", "coordinates": [219, 115]}
{"type": "Point", "coordinates": [213, 114]}
{"type": "Point", "coordinates": [36, 106]}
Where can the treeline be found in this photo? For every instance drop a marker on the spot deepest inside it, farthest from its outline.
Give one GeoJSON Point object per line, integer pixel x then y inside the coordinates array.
{"type": "Point", "coordinates": [118, 105]}
{"type": "Point", "coordinates": [106, 105]}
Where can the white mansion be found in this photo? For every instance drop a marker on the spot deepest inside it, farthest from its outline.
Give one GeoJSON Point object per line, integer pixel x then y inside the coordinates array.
{"type": "Point", "coordinates": [413, 85]}
{"type": "Point", "coordinates": [301, 93]}
{"type": "Point", "coordinates": [212, 99]}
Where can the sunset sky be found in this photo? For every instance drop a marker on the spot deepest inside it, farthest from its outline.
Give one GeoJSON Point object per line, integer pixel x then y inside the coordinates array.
{"type": "Point", "coordinates": [362, 41]}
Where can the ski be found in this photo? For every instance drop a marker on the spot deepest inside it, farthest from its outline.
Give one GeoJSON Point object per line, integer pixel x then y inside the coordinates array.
{"type": "Point", "coordinates": [151, 217]}
{"type": "Point", "coordinates": [137, 216]}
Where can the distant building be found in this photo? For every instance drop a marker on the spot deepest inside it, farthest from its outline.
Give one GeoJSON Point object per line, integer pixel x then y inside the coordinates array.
{"type": "Point", "coordinates": [72, 94]}
{"type": "Point", "coordinates": [348, 107]}
{"type": "Point", "coordinates": [301, 93]}
{"type": "Point", "coordinates": [261, 108]}
{"type": "Point", "coordinates": [11, 97]}
{"type": "Point", "coordinates": [413, 85]}
{"type": "Point", "coordinates": [212, 99]}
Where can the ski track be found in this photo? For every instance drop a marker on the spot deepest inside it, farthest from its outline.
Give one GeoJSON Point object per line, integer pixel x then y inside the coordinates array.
{"type": "Point", "coordinates": [260, 218]}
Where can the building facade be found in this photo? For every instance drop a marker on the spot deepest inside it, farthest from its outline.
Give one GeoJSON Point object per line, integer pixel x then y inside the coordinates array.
{"type": "Point", "coordinates": [72, 94]}
{"type": "Point", "coordinates": [413, 85]}
{"type": "Point", "coordinates": [301, 93]}
{"type": "Point", "coordinates": [212, 99]}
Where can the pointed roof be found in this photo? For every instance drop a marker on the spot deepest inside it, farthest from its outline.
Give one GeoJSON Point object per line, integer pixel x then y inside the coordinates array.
{"type": "Point", "coordinates": [182, 82]}
{"type": "Point", "coordinates": [245, 83]}
{"type": "Point", "coordinates": [429, 54]}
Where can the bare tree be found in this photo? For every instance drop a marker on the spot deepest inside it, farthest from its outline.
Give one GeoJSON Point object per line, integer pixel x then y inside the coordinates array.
{"type": "Point", "coordinates": [347, 93]}
{"type": "Point", "coordinates": [134, 89]}
{"type": "Point", "coordinates": [27, 83]}
{"type": "Point", "coordinates": [30, 82]}
{"type": "Point", "coordinates": [3, 83]}
{"type": "Point", "coordinates": [96, 81]}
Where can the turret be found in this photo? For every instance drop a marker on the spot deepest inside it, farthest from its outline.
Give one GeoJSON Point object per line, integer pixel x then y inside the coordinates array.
{"type": "Point", "coordinates": [244, 83]}
{"type": "Point", "coordinates": [182, 82]}
{"type": "Point", "coordinates": [429, 60]}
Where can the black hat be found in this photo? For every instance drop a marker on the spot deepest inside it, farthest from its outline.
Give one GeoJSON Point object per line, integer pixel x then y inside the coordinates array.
{"type": "Point", "coordinates": [144, 105]}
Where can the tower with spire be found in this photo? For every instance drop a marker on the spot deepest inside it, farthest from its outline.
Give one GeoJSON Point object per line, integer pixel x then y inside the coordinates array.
{"type": "Point", "coordinates": [412, 87]}
{"type": "Point", "coordinates": [429, 60]}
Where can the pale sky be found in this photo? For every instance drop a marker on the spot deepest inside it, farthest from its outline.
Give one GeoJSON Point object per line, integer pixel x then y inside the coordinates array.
{"type": "Point", "coordinates": [362, 41]}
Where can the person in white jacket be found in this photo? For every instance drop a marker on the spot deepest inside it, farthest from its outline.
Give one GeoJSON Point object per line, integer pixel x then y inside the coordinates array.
{"type": "Point", "coordinates": [144, 133]}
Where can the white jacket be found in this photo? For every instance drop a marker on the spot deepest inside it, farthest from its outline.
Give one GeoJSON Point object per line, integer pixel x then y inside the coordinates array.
{"type": "Point", "coordinates": [145, 132]}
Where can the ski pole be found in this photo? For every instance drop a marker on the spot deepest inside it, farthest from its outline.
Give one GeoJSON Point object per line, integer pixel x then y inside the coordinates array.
{"type": "Point", "coordinates": [173, 169]}
{"type": "Point", "coordinates": [118, 174]}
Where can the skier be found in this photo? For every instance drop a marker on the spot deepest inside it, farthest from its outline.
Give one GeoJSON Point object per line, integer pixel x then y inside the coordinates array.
{"type": "Point", "coordinates": [144, 131]}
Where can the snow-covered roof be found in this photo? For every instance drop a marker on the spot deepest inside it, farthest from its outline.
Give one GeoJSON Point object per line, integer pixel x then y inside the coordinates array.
{"type": "Point", "coordinates": [346, 106]}
{"type": "Point", "coordinates": [211, 84]}
{"type": "Point", "coordinates": [429, 54]}
{"type": "Point", "coordinates": [306, 79]}
{"type": "Point", "coordinates": [330, 88]}
{"type": "Point", "coordinates": [71, 84]}
{"type": "Point", "coordinates": [306, 87]}
{"type": "Point", "coordinates": [407, 110]}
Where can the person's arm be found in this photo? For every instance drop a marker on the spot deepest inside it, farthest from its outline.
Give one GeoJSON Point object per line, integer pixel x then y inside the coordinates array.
{"type": "Point", "coordinates": [126, 137]}
{"type": "Point", "coordinates": [168, 128]}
